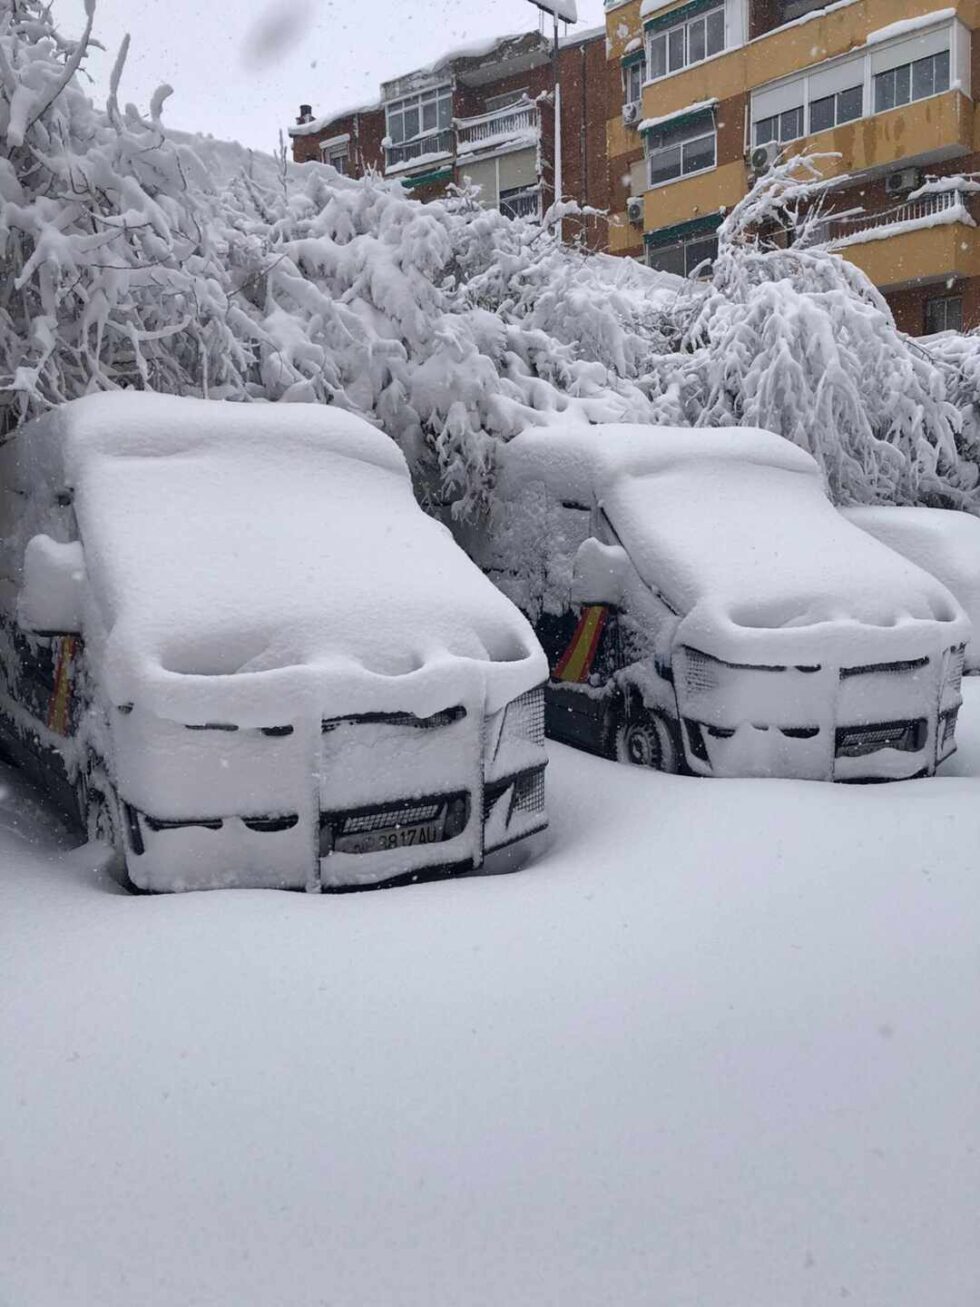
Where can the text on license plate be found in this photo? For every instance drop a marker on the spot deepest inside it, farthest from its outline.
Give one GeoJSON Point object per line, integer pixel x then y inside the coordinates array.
{"type": "Point", "coordinates": [397, 837]}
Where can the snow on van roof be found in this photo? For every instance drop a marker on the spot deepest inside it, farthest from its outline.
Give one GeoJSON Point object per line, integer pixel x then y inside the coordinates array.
{"type": "Point", "coordinates": [734, 528]}
{"type": "Point", "coordinates": [241, 556]}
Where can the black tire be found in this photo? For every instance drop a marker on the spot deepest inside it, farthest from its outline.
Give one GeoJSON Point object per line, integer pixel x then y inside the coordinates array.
{"type": "Point", "coordinates": [645, 739]}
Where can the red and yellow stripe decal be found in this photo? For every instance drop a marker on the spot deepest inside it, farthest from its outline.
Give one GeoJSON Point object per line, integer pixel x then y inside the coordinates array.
{"type": "Point", "coordinates": [575, 664]}
{"type": "Point", "coordinates": [61, 698]}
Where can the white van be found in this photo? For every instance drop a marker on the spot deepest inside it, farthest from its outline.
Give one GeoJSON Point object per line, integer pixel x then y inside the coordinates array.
{"type": "Point", "coordinates": [942, 541]}
{"type": "Point", "coordinates": [235, 648]}
{"type": "Point", "coordinates": [705, 609]}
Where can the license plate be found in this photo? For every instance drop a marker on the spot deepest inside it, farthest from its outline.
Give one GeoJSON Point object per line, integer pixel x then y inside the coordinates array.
{"type": "Point", "coordinates": [396, 837]}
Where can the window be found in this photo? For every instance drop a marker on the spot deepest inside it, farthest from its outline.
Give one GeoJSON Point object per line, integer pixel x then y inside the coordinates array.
{"type": "Point", "coordinates": [780, 127]}
{"type": "Point", "coordinates": [686, 258]}
{"type": "Point", "coordinates": [912, 81]}
{"type": "Point", "coordinates": [688, 43]}
{"type": "Point", "coordinates": [832, 110]}
{"type": "Point", "coordinates": [338, 158]}
{"type": "Point", "coordinates": [495, 102]}
{"type": "Point", "coordinates": [633, 78]}
{"type": "Point", "coordinates": [674, 152]}
{"type": "Point", "coordinates": [897, 72]}
{"type": "Point", "coordinates": [944, 314]}
{"type": "Point", "coordinates": [419, 125]}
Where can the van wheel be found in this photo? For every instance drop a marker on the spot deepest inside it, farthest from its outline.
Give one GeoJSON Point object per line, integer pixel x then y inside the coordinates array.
{"type": "Point", "coordinates": [645, 739]}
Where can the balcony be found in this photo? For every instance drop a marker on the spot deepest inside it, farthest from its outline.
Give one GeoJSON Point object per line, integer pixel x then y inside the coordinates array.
{"type": "Point", "coordinates": [937, 209]}
{"type": "Point", "coordinates": [506, 128]}
{"type": "Point", "coordinates": [928, 240]}
{"type": "Point", "coordinates": [424, 149]}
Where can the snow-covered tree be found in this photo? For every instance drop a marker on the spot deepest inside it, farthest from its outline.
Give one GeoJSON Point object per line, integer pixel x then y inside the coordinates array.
{"type": "Point", "coordinates": [794, 338]}
{"type": "Point", "coordinates": [111, 273]}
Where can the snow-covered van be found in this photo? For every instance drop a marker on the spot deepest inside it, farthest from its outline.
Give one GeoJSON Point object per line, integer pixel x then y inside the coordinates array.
{"type": "Point", "coordinates": [236, 649]}
{"type": "Point", "coordinates": [942, 541]}
{"type": "Point", "coordinates": [704, 608]}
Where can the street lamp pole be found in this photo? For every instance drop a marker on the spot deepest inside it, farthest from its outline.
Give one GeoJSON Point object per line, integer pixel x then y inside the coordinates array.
{"type": "Point", "coordinates": [566, 10]}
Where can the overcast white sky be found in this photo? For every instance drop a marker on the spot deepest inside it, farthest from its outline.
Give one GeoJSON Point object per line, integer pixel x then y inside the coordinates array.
{"type": "Point", "coordinates": [240, 68]}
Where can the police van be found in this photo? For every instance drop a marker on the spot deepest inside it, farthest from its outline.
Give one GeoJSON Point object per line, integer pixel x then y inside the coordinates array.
{"type": "Point", "coordinates": [234, 649]}
{"type": "Point", "coordinates": [705, 609]}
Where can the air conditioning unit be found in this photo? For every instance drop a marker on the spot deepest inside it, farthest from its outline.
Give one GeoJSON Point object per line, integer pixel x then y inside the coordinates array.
{"type": "Point", "coordinates": [631, 112]}
{"type": "Point", "coordinates": [900, 183]}
{"type": "Point", "coordinates": [634, 209]}
{"type": "Point", "coordinates": [763, 157]}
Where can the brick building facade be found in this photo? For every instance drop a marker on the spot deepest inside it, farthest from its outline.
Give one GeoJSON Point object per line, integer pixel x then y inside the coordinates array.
{"type": "Point", "coordinates": [486, 116]}
{"type": "Point", "coordinates": [704, 94]}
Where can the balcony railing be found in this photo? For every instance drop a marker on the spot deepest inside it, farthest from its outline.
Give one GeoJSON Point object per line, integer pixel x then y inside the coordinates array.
{"type": "Point", "coordinates": [921, 212]}
{"type": "Point", "coordinates": [523, 204]}
{"type": "Point", "coordinates": [434, 145]}
{"type": "Point", "coordinates": [477, 134]}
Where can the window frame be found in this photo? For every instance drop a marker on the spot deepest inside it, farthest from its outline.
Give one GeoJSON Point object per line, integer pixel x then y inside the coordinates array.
{"type": "Point", "coordinates": [411, 110]}
{"type": "Point", "coordinates": [943, 301]}
{"type": "Point", "coordinates": [684, 248]}
{"type": "Point", "coordinates": [670, 38]}
{"type": "Point", "coordinates": [681, 143]}
{"type": "Point", "coordinates": [868, 82]}
{"type": "Point", "coordinates": [634, 76]}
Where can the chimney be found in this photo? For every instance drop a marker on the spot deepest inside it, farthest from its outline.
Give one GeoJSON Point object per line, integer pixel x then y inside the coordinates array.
{"type": "Point", "coordinates": [305, 114]}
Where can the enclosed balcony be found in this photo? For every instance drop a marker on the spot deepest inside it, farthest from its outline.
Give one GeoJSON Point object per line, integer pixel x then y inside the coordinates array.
{"type": "Point", "coordinates": [508, 128]}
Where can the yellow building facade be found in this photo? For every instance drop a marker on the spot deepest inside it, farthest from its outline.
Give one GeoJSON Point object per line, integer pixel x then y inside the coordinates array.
{"type": "Point", "coordinates": [712, 92]}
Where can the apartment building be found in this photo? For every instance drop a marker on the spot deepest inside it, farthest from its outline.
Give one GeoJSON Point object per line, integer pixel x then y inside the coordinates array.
{"type": "Point", "coordinates": [486, 115]}
{"type": "Point", "coordinates": [705, 94]}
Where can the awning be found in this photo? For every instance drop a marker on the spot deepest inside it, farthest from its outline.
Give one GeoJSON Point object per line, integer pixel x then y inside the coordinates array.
{"type": "Point", "coordinates": [683, 231]}
{"type": "Point", "coordinates": [423, 179]}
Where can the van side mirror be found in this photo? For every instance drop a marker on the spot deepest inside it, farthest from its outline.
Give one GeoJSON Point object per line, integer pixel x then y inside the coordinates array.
{"type": "Point", "coordinates": [51, 600]}
{"type": "Point", "coordinates": [599, 574]}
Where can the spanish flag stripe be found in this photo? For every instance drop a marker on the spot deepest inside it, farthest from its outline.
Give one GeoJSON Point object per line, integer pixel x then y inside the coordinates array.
{"type": "Point", "coordinates": [60, 699]}
{"type": "Point", "coordinates": [576, 662]}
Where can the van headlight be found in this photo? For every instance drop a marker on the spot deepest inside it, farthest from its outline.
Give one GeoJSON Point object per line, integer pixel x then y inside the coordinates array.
{"type": "Point", "coordinates": [524, 719]}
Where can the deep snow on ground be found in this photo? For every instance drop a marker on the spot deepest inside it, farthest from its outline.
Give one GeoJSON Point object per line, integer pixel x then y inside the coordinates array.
{"type": "Point", "coordinates": [719, 1047]}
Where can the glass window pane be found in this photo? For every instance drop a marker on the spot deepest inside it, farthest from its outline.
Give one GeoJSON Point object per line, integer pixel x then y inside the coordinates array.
{"type": "Point", "coordinates": [411, 123]}
{"type": "Point", "coordinates": [850, 104]}
{"type": "Point", "coordinates": [675, 46]}
{"type": "Point", "coordinates": [657, 57]}
{"type": "Point", "coordinates": [446, 111]}
{"type": "Point", "coordinates": [665, 165]}
{"type": "Point", "coordinates": [699, 154]}
{"type": "Point", "coordinates": [944, 314]}
{"type": "Point", "coordinates": [396, 127]}
{"type": "Point", "coordinates": [697, 253]}
{"type": "Point", "coordinates": [884, 92]}
{"type": "Point", "coordinates": [429, 116]}
{"type": "Point", "coordinates": [695, 41]}
{"type": "Point", "coordinates": [716, 31]}
{"type": "Point", "coordinates": [903, 84]}
{"type": "Point", "coordinates": [922, 78]}
{"type": "Point", "coordinates": [791, 124]}
{"type": "Point", "coordinates": [821, 114]}
{"type": "Point", "coordinates": [670, 258]}
{"type": "Point", "coordinates": [942, 72]}
{"type": "Point", "coordinates": [767, 130]}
